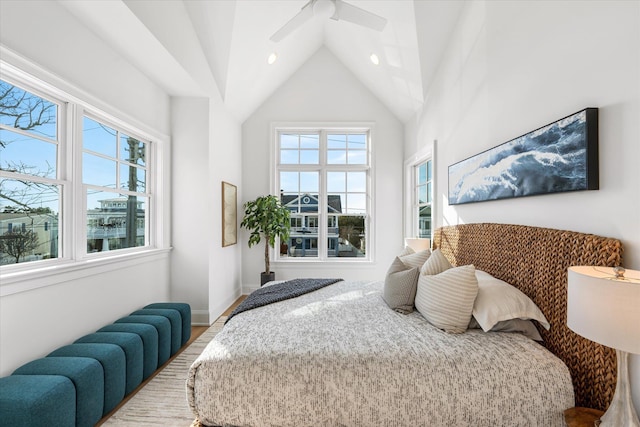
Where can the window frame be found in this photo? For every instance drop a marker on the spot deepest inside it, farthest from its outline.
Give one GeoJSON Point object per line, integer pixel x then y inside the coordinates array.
{"type": "Point", "coordinates": [148, 193]}
{"type": "Point", "coordinates": [417, 205]}
{"type": "Point", "coordinates": [411, 227]}
{"type": "Point", "coordinates": [322, 167]}
{"type": "Point", "coordinates": [30, 85]}
{"type": "Point", "coordinates": [73, 260]}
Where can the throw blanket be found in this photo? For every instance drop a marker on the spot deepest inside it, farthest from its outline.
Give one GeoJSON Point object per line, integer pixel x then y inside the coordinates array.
{"type": "Point", "coordinates": [280, 292]}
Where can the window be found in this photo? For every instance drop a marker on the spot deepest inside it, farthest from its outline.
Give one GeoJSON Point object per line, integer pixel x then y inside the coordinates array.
{"type": "Point", "coordinates": [423, 188]}
{"type": "Point", "coordinates": [53, 208]}
{"type": "Point", "coordinates": [114, 172]}
{"type": "Point", "coordinates": [323, 179]}
{"type": "Point", "coordinates": [31, 183]}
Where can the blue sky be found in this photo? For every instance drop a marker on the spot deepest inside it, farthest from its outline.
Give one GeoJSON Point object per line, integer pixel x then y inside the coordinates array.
{"type": "Point", "coordinates": [33, 150]}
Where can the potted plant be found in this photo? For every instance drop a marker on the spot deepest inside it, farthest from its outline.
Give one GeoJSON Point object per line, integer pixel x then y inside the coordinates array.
{"type": "Point", "coordinates": [265, 217]}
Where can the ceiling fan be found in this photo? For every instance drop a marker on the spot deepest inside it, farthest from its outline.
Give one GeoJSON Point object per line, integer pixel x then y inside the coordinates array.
{"type": "Point", "coordinates": [337, 10]}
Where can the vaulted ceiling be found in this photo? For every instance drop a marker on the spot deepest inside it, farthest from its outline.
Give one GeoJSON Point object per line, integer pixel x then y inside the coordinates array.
{"type": "Point", "coordinates": [211, 47]}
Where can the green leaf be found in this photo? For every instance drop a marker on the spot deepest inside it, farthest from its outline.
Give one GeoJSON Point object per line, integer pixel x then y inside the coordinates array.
{"type": "Point", "coordinates": [265, 217]}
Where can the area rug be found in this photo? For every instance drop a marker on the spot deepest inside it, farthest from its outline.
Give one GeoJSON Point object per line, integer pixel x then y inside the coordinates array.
{"type": "Point", "coordinates": [163, 401]}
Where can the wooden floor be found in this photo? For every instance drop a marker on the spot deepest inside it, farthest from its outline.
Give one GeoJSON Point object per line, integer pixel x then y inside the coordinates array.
{"type": "Point", "coordinates": [196, 331]}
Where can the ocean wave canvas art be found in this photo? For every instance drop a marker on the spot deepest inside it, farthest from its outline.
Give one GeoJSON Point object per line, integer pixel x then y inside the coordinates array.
{"type": "Point", "coordinates": [561, 156]}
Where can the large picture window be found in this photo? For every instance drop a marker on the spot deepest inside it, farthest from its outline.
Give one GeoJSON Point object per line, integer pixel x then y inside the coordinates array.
{"type": "Point", "coordinates": [323, 179]}
{"type": "Point", "coordinates": [63, 164]}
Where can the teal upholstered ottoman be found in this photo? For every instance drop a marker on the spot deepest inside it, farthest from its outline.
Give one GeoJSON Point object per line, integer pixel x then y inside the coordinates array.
{"type": "Point", "coordinates": [37, 401]}
{"type": "Point", "coordinates": [175, 319]}
{"type": "Point", "coordinates": [163, 327]}
{"type": "Point", "coordinates": [185, 314]}
{"type": "Point", "coordinates": [131, 344]}
{"type": "Point", "coordinates": [113, 362]}
{"type": "Point", "coordinates": [149, 336]}
{"type": "Point", "coordinates": [87, 376]}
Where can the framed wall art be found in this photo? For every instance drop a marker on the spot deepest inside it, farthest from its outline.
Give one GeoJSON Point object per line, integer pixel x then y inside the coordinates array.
{"type": "Point", "coordinates": [229, 214]}
{"type": "Point", "coordinates": [561, 156]}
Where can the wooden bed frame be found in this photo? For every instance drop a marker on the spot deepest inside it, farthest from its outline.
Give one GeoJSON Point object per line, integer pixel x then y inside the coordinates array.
{"type": "Point", "coordinates": [535, 260]}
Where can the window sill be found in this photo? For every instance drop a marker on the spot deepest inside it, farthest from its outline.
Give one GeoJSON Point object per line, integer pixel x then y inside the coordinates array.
{"type": "Point", "coordinates": [63, 271]}
{"type": "Point", "coordinates": [331, 263]}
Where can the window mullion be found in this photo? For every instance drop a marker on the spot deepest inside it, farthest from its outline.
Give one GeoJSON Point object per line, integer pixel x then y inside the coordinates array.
{"type": "Point", "coordinates": [77, 217]}
{"type": "Point", "coordinates": [322, 199]}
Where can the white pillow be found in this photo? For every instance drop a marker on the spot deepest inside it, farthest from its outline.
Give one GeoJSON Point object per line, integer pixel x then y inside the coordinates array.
{"type": "Point", "coordinates": [497, 301]}
{"type": "Point", "coordinates": [436, 264]}
{"type": "Point", "coordinates": [446, 299]}
{"type": "Point", "coordinates": [416, 259]}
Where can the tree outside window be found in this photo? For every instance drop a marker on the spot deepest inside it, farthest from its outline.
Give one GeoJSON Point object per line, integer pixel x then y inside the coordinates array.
{"type": "Point", "coordinates": [30, 186]}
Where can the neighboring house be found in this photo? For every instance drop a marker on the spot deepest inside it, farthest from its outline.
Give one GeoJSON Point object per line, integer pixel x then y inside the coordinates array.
{"type": "Point", "coordinates": [303, 238]}
{"type": "Point", "coordinates": [107, 225]}
{"type": "Point", "coordinates": [45, 227]}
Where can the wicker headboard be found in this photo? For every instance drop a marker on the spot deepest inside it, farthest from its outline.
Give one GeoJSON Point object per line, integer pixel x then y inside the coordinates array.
{"type": "Point", "coordinates": [535, 260]}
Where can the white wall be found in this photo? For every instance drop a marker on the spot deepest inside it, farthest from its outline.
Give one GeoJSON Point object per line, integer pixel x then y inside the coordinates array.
{"type": "Point", "coordinates": [206, 151]}
{"type": "Point", "coordinates": [191, 205]}
{"type": "Point", "coordinates": [512, 67]}
{"type": "Point", "coordinates": [323, 90]}
{"type": "Point", "coordinates": [33, 323]}
{"type": "Point", "coordinates": [225, 158]}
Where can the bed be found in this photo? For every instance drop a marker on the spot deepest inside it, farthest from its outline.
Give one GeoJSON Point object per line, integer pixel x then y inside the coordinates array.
{"type": "Point", "coordinates": [341, 356]}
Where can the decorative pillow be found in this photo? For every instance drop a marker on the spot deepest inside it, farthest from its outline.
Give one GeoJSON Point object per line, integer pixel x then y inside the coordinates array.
{"type": "Point", "coordinates": [408, 250]}
{"type": "Point", "coordinates": [400, 284]}
{"type": "Point", "coordinates": [446, 299]}
{"type": "Point", "coordinates": [520, 326]}
{"type": "Point", "coordinates": [497, 301]}
{"type": "Point", "coordinates": [436, 264]}
{"type": "Point", "coordinates": [416, 259]}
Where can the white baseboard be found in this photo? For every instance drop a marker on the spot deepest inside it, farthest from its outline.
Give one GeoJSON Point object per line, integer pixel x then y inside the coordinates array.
{"type": "Point", "coordinates": [247, 289]}
{"type": "Point", "coordinates": [200, 318]}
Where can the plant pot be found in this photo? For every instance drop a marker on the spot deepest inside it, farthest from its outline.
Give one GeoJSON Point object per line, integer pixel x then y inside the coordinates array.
{"type": "Point", "coordinates": [264, 277]}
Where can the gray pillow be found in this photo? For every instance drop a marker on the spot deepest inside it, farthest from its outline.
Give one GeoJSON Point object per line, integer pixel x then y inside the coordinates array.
{"type": "Point", "coordinates": [520, 326]}
{"type": "Point", "coordinates": [400, 284]}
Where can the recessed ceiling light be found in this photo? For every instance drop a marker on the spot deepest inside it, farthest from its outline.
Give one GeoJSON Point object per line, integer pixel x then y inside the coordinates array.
{"type": "Point", "coordinates": [374, 58]}
{"type": "Point", "coordinates": [272, 58]}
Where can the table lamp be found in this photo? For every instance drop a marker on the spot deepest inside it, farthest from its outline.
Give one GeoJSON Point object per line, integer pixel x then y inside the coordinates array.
{"type": "Point", "coordinates": [603, 305]}
{"type": "Point", "coordinates": [417, 243]}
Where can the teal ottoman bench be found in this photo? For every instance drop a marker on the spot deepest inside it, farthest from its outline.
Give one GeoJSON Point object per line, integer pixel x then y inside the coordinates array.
{"type": "Point", "coordinates": [149, 336]}
{"type": "Point", "coordinates": [163, 328]}
{"type": "Point", "coordinates": [185, 314]}
{"type": "Point", "coordinates": [175, 320]}
{"type": "Point", "coordinates": [113, 362]}
{"type": "Point", "coordinates": [37, 401]}
{"type": "Point", "coordinates": [131, 344]}
{"type": "Point", "coordinates": [87, 376]}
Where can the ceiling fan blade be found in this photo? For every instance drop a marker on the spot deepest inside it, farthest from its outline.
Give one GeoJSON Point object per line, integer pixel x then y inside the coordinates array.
{"type": "Point", "coordinates": [350, 13]}
{"type": "Point", "coordinates": [294, 23]}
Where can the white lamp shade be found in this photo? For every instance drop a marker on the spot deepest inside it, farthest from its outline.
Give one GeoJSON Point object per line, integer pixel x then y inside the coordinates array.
{"type": "Point", "coordinates": [417, 244]}
{"type": "Point", "coordinates": [605, 309]}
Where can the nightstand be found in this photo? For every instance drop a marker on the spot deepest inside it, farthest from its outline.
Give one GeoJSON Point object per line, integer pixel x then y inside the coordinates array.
{"type": "Point", "coordinates": [582, 417]}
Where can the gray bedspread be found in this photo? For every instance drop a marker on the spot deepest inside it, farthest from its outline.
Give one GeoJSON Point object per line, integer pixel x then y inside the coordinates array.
{"type": "Point", "coordinates": [340, 357]}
